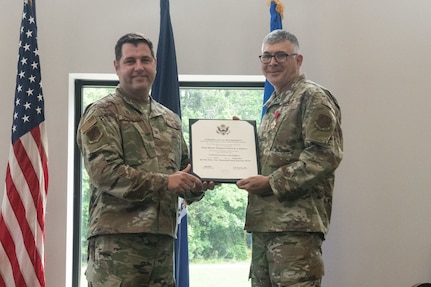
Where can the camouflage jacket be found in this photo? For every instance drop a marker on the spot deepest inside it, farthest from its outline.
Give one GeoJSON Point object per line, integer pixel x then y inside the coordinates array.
{"type": "Point", "coordinates": [128, 154]}
{"type": "Point", "coordinates": [300, 146]}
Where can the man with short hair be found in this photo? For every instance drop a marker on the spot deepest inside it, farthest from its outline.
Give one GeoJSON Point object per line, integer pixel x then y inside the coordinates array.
{"type": "Point", "coordinates": [300, 146]}
{"type": "Point", "coordinates": [138, 165]}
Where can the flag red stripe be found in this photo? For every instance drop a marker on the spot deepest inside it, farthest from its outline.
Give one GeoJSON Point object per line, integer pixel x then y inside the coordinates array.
{"type": "Point", "coordinates": [40, 139]}
{"type": "Point", "coordinates": [27, 235]}
{"type": "Point", "coordinates": [41, 143]}
{"type": "Point", "coordinates": [29, 191]}
{"type": "Point", "coordinates": [2, 283]}
{"type": "Point", "coordinates": [43, 160]}
{"type": "Point", "coordinates": [9, 247]}
{"type": "Point", "coordinates": [28, 170]}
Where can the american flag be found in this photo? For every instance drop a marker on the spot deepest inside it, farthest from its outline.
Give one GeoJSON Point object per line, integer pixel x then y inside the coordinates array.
{"type": "Point", "coordinates": [22, 218]}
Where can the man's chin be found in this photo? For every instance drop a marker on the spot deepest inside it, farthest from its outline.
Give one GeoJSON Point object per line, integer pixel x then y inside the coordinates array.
{"type": "Point", "coordinates": [139, 80]}
{"type": "Point", "coordinates": [273, 77]}
{"type": "Point", "coordinates": [140, 85]}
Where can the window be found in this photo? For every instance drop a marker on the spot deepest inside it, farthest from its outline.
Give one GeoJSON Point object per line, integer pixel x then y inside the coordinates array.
{"type": "Point", "coordinates": [215, 224]}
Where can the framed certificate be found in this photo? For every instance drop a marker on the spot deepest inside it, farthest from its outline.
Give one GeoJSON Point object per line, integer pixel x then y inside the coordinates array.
{"type": "Point", "coordinates": [223, 150]}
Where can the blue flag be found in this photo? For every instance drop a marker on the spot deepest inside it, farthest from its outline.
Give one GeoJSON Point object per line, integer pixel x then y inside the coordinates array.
{"type": "Point", "coordinates": [166, 91]}
{"type": "Point", "coordinates": [275, 24]}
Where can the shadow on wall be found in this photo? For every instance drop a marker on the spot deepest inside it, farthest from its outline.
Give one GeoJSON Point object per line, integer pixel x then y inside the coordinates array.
{"type": "Point", "coordinates": [422, 285]}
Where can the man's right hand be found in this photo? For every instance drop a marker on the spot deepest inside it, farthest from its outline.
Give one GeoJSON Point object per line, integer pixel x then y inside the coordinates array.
{"type": "Point", "coordinates": [182, 181]}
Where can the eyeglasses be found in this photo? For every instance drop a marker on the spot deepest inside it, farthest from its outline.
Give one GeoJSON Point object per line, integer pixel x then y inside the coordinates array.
{"type": "Point", "coordinates": [280, 57]}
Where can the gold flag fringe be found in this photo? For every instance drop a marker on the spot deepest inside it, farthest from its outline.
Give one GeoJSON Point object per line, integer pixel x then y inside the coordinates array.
{"type": "Point", "coordinates": [279, 8]}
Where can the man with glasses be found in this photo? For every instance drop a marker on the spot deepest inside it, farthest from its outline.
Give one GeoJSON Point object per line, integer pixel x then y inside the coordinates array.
{"type": "Point", "coordinates": [300, 146]}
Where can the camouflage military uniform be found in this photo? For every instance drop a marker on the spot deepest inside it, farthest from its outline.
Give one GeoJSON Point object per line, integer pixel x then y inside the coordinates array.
{"type": "Point", "coordinates": [130, 260]}
{"type": "Point", "coordinates": [300, 143]}
{"type": "Point", "coordinates": [129, 149]}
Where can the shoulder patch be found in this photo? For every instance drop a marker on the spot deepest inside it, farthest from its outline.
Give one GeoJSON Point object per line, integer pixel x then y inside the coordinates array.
{"type": "Point", "coordinates": [91, 130]}
{"type": "Point", "coordinates": [88, 124]}
{"type": "Point", "coordinates": [323, 122]}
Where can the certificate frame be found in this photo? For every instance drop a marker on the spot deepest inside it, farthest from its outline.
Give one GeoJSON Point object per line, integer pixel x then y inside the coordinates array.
{"type": "Point", "coordinates": [223, 151]}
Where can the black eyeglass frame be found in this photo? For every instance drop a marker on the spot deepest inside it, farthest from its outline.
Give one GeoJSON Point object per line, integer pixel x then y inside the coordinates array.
{"type": "Point", "coordinates": [280, 57]}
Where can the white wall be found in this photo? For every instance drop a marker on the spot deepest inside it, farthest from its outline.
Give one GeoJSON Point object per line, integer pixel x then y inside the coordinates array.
{"type": "Point", "coordinates": [373, 55]}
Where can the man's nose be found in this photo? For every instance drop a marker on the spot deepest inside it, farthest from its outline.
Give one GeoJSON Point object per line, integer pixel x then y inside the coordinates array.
{"type": "Point", "coordinates": [273, 60]}
{"type": "Point", "coordinates": [139, 64]}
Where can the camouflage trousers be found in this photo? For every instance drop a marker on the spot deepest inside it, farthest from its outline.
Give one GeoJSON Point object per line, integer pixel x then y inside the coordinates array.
{"type": "Point", "coordinates": [131, 260]}
{"type": "Point", "coordinates": [286, 259]}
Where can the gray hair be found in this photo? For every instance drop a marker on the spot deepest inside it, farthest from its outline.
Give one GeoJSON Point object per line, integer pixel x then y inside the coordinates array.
{"type": "Point", "coordinates": [277, 36]}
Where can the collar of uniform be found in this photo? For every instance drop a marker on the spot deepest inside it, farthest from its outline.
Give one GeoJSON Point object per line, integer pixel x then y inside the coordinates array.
{"type": "Point", "coordinates": [143, 107]}
{"type": "Point", "coordinates": [283, 97]}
